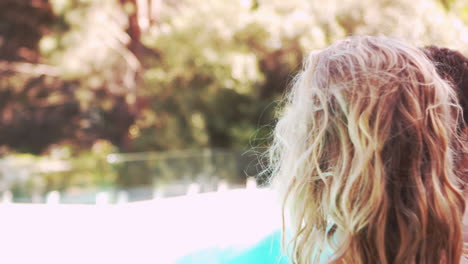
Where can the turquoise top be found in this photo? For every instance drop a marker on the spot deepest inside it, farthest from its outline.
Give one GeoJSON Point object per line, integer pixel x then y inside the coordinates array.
{"type": "Point", "coordinates": [267, 251]}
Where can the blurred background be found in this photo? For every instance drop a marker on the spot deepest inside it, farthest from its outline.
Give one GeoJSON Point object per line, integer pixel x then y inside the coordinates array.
{"type": "Point", "coordinates": [113, 101]}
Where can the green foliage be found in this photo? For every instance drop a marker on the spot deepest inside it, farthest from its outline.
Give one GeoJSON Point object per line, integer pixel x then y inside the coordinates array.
{"type": "Point", "coordinates": [200, 74]}
{"type": "Point", "coordinates": [222, 62]}
{"type": "Point", "coordinates": [207, 71]}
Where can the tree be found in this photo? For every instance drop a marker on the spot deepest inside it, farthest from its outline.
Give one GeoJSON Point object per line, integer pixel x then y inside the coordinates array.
{"type": "Point", "coordinates": [42, 103]}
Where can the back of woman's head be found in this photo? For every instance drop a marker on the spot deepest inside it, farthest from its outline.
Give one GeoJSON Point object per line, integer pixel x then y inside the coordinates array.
{"type": "Point", "coordinates": [363, 155]}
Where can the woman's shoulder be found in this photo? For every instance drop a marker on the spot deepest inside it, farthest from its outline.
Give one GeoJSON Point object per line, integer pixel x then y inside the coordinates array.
{"type": "Point", "coordinates": [267, 251]}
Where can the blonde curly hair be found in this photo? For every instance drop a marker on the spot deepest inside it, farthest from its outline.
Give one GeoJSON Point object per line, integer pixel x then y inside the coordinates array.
{"type": "Point", "coordinates": [363, 158]}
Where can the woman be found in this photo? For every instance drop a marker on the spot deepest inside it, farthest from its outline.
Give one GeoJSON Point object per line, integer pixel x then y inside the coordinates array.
{"type": "Point", "coordinates": [364, 157]}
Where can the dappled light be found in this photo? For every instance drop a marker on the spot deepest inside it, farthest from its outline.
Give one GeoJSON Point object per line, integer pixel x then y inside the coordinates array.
{"type": "Point", "coordinates": [135, 131]}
